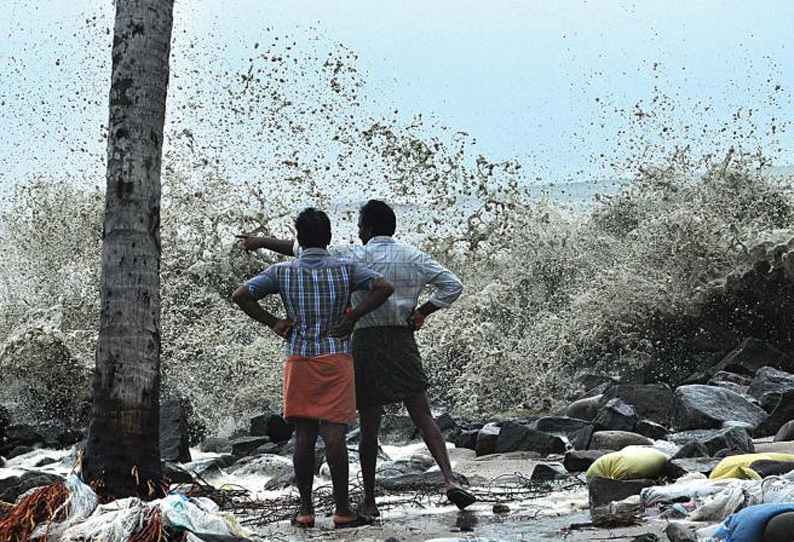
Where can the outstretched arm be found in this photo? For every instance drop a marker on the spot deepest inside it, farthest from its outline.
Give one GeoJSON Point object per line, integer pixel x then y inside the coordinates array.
{"type": "Point", "coordinates": [253, 242]}
{"type": "Point", "coordinates": [381, 290]}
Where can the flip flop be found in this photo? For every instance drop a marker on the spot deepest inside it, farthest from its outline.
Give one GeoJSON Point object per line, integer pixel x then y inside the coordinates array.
{"type": "Point", "coordinates": [460, 497]}
{"type": "Point", "coordinates": [304, 521]}
{"type": "Point", "coordinates": [359, 521]}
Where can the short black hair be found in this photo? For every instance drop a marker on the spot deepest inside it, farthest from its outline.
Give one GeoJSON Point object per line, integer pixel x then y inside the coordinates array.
{"type": "Point", "coordinates": [379, 217]}
{"type": "Point", "coordinates": [314, 228]}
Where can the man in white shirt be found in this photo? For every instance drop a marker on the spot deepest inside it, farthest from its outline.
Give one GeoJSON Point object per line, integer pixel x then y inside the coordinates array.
{"type": "Point", "coordinates": [387, 361]}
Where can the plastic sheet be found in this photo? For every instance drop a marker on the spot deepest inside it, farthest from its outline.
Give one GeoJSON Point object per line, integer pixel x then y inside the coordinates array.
{"type": "Point", "coordinates": [197, 516]}
{"type": "Point", "coordinates": [80, 505]}
{"type": "Point", "coordinates": [112, 522]}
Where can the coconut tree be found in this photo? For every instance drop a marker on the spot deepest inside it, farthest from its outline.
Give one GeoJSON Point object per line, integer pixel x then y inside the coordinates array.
{"type": "Point", "coordinates": [122, 456]}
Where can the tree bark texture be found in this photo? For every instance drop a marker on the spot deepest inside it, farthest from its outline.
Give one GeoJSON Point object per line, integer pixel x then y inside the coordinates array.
{"type": "Point", "coordinates": [123, 455]}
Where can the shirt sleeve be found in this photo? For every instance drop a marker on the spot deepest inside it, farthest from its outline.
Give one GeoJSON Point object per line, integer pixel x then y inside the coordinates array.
{"type": "Point", "coordinates": [265, 283]}
{"type": "Point", "coordinates": [448, 286]}
{"type": "Point", "coordinates": [364, 278]}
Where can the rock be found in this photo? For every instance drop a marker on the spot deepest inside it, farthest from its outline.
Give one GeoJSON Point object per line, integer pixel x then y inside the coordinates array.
{"type": "Point", "coordinates": [23, 434]}
{"type": "Point", "coordinates": [560, 425]}
{"type": "Point", "coordinates": [603, 491]}
{"type": "Point", "coordinates": [580, 461]}
{"type": "Point", "coordinates": [714, 440]}
{"type": "Point", "coordinates": [647, 537]}
{"type": "Point", "coordinates": [785, 433]}
{"type": "Point", "coordinates": [767, 467]}
{"type": "Point", "coordinates": [615, 415]}
{"type": "Point", "coordinates": [176, 474]}
{"type": "Point", "coordinates": [501, 508]}
{"type": "Point", "coordinates": [288, 448]}
{"type": "Point", "coordinates": [617, 440]}
{"type": "Point", "coordinates": [271, 425]}
{"type": "Point", "coordinates": [264, 465]}
{"type": "Point", "coordinates": [584, 409]}
{"type": "Point", "coordinates": [174, 438]}
{"type": "Point", "coordinates": [283, 481]}
{"type": "Point", "coordinates": [19, 450]}
{"type": "Point", "coordinates": [397, 429]}
{"type": "Point", "coordinates": [691, 449]}
{"type": "Point", "coordinates": [467, 439]}
{"type": "Point", "coordinates": [544, 472]}
{"type": "Point", "coordinates": [206, 468]}
{"type": "Point", "coordinates": [414, 482]}
{"type": "Point", "coordinates": [705, 407]}
{"type": "Point", "coordinates": [245, 445]}
{"type": "Point", "coordinates": [753, 354]}
{"type": "Point", "coordinates": [486, 439]}
{"type": "Point", "coordinates": [676, 468]}
{"type": "Point", "coordinates": [216, 445]}
{"type": "Point", "coordinates": [730, 381]}
{"type": "Point", "coordinates": [783, 412]}
{"type": "Point", "coordinates": [448, 426]}
{"type": "Point", "coordinates": [653, 402]}
{"type": "Point", "coordinates": [416, 464]}
{"type": "Point", "coordinates": [767, 380]}
{"type": "Point", "coordinates": [678, 533]}
{"type": "Point", "coordinates": [13, 487]}
{"type": "Point", "coordinates": [581, 439]}
{"type": "Point", "coordinates": [650, 429]}
{"type": "Point", "coordinates": [514, 437]}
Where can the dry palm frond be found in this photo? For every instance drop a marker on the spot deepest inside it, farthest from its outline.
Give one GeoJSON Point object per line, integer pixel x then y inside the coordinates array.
{"type": "Point", "coordinates": [152, 530]}
{"type": "Point", "coordinates": [41, 505]}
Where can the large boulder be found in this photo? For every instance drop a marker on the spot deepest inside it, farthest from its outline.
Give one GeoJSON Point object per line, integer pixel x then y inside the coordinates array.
{"type": "Point", "coordinates": [617, 440]}
{"type": "Point", "coordinates": [244, 446]}
{"type": "Point", "coordinates": [651, 430]}
{"type": "Point", "coordinates": [712, 441]}
{"type": "Point", "coordinates": [515, 437]}
{"type": "Point", "coordinates": [753, 354]}
{"type": "Point", "coordinates": [731, 381]}
{"type": "Point", "coordinates": [768, 385]}
{"type": "Point", "coordinates": [580, 460]}
{"type": "Point", "coordinates": [271, 425]}
{"type": "Point", "coordinates": [560, 425]}
{"type": "Point", "coordinates": [268, 465]}
{"type": "Point", "coordinates": [705, 407]}
{"type": "Point", "coordinates": [676, 468]}
{"type": "Point", "coordinates": [785, 433]}
{"type": "Point", "coordinates": [652, 402]}
{"type": "Point", "coordinates": [396, 429]}
{"type": "Point", "coordinates": [486, 439]}
{"type": "Point", "coordinates": [783, 413]}
{"type": "Point", "coordinates": [584, 409]}
{"type": "Point", "coordinates": [615, 415]}
{"type": "Point", "coordinates": [13, 486]}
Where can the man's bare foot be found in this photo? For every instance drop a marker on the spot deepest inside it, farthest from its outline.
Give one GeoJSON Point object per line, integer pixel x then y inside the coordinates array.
{"type": "Point", "coordinates": [369, 509]}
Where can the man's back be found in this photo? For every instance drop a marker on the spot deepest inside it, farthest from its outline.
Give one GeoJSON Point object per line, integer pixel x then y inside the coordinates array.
{"type": "Point", "coordinates": [409, 270]}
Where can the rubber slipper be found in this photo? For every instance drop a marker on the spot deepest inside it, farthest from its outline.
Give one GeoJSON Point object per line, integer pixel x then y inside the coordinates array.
{"type": "Point", "coordinates": [304, 521]}
{"type": "Point", "coordinates": [359, 521]}
{"type": "Point", "coordinates": [460, 497]}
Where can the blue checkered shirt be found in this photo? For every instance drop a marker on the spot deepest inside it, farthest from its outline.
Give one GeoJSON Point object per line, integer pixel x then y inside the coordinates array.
{"type": "Point", "coordinates": [408, 269]}
{"type": "Point", "coordinates": [315, 289]}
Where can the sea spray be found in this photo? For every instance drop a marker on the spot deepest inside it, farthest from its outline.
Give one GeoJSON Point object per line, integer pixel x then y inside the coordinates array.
{"type": "Point", "coordinates": [548, 292]}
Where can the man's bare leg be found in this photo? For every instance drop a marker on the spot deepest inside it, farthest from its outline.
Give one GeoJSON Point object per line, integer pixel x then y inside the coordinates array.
{"type": "Point", "coordinates": [303, 462]}
{"type": "Point", "coordinates": [419, 409]}
{"type": "Point", "coordinates": [369, 426]}
{"type": "Point", "coordinates": [336, 454]}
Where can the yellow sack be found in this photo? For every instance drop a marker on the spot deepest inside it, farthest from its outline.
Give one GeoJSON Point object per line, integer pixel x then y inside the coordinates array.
{"type": "Point", "coordinates": [630, 463]}
{"type": "Point", "coordinates": [738, 466]}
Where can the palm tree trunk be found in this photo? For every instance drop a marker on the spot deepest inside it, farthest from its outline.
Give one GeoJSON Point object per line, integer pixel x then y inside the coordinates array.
{"type": "Point", "coordinates": [123, 455]}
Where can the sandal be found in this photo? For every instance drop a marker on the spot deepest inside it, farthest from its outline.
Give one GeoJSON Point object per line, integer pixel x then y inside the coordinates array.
{"type": "Point", "coordinates": [359, 520]}
{"type": "Point", "coordinates": [460, 497]}
{"type": "Point", "coordinates": [304, 521]}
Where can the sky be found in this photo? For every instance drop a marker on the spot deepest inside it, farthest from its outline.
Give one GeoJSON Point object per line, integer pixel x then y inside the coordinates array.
{"type": "Point", "coordinates": [555, 84]}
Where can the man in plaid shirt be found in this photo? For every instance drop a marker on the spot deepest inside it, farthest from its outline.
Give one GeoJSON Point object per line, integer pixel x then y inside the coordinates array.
{"type": "Point", "coordinates": [319, 390]}
{"type": "Point", "coordinates": [387, 361]}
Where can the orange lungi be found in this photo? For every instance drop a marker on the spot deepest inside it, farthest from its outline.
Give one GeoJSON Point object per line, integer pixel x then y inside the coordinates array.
{"type": "Point", "coordinates": [320, 388]}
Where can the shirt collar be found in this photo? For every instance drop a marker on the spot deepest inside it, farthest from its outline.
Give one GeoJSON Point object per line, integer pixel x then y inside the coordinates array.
{"type": "Point", "coordinates": [313, 252]}
{"type": "Point", "coordinates": [381, 239]}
